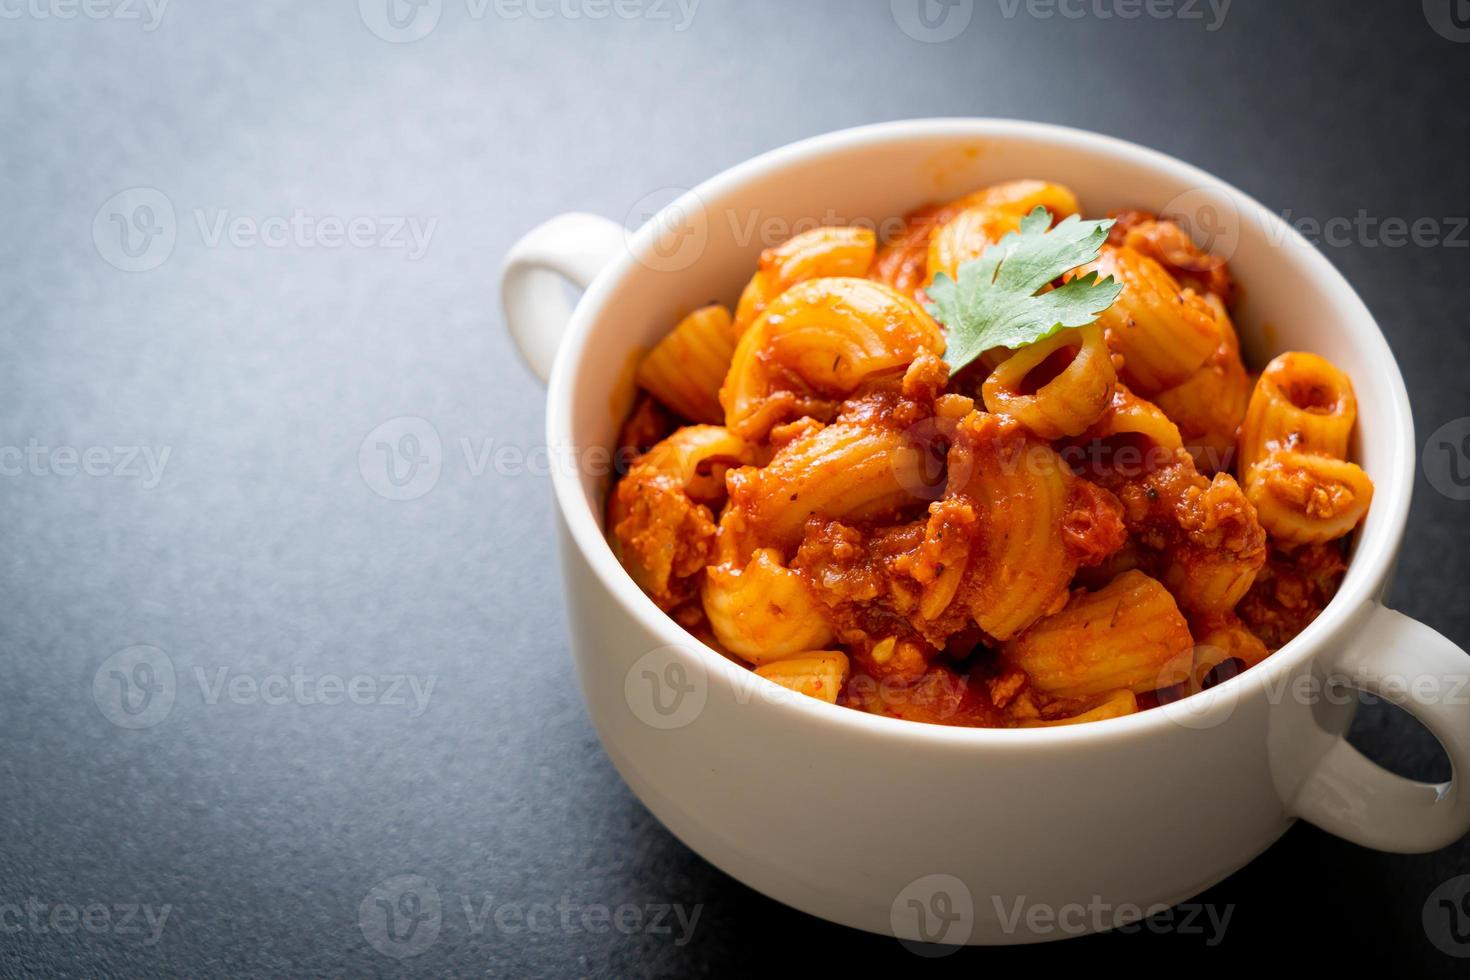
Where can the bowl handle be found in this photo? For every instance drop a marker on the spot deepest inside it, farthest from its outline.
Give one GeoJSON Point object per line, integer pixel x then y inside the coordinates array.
{"type": "Point", "coordinates": [571, 247]}
{"type": "Point", "coordinates": [1404, 662]}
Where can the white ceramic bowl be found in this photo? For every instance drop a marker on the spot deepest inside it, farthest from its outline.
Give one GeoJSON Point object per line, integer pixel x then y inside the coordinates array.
{"type": "Point", "coordinates": [936, 833]}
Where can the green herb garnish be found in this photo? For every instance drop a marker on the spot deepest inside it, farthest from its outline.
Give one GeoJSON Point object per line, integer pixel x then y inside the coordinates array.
{"type": "Point", "coordinates": [995, 302]}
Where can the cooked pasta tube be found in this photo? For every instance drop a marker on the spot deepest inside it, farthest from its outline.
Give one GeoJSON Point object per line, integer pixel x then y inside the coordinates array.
{"type": "Point", "coordinates": [966, 236]}
{"type": "Point", "coordinates": [763, 611]}
{"type": "Point", "coordinates": [1229, 336]}
{"type": "Point", "coordinates": [662, 529]}
{"type": "Point", "coordinates": [1163, 332]}
{"type": "Point", "coordinates": [902, 262]}
{"type": "Point", "coordinates": [1127, 635]}
{"type": "Point", "coordinates": [829, 335]}
{"type": "Point", "coordinates": [1307, 499]}
{"type": "Point", "coordinates": [1132, 437]}
{"type": "Point", "coordinates": [819, 253]}
{"type": "Point", "coordinates": [1303, 403]}
{"type": "Point", "coordinates": [1091, 507]}
{"type": "Point", "coordinates": [686, 368]}
{"type": "Point", "coordinates": [1013, 527]}
{"type": "Point", "coordinates": [839, 250]}
{"type": "Point", "coordinates": [819, 674]}
{"type": "Point", "coordinates": [754, 298]}
{"type": "Point", "coordinates": [1221, 639]}
{"type": "Point", "coordinates": [1208, 408]}
{"type": "Point", "coordinates": [846, 470]}
{"type": "Point", "coordinates": [1024, 196]}
{"type": "Point", "coordinates": [1056, 387]}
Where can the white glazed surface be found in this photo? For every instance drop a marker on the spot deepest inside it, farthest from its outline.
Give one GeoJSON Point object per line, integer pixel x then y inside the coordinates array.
{"type": "Point", "coordinates": [840, 813]}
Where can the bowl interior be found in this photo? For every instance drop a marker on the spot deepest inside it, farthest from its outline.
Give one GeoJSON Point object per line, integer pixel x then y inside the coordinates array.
{"type": "Point", "coordinates": [707, 245]}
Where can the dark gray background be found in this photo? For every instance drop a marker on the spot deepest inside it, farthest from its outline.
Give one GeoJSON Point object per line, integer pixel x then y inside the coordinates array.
{"type": "Point", "coordinates": [262, 548]}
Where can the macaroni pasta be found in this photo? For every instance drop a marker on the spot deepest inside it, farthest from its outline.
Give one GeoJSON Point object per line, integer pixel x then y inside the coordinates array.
{"type": "Point", "coordinates": [1101, 519]}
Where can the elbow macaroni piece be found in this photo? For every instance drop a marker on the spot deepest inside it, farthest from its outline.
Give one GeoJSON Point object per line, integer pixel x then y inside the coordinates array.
{"type": "Point", "coordinates": [1002, 521]}
{"type": "Point", "coordinates": [1200, 536]}
{"type": "Point", "coordinates": [662, 528]}
{"type": "Point", "coordinates": [1127, 516]}
{"type": "Point", "coordinates": [1132, 437]}
{"type": "Point", "coordinates": [754, 299]}
{"type": "Point", "coordinates": [1302, 402]}
{"type": "Point", "coordinates": [1208, 408]}
{"type": "Point", "coordinates": [686, 368]}
{"type": "Point", "coordinates": [1162, 332]}
{"type": "Point", "coordinates": [821, 253]}
{"type": "Point", "coordinates": [1127, 635]}
{"type": "Point", "coordinates": [1293, 451]}
{"type": "Point", "coordinates": [829, 335]}
{"type": "Point", "coordinates": [763, 612]}
{"type": "Point", "coordinates": [846, 470]}
{"type": "Point", "coordinates": [1210, 404]}
{"type": "Point", "coordinates": [1074, 396]}
{"type": "Point", "coordinates": [1306, 499]}
{"type": "Point", "coordinates": [819, 674]}
{"type": "Point", "coordinates": [1219, 640]}
{"type": "Point", "coordinates": [1021, 197]}
{"type": "Point", "coordinates": [827, 252]}
{"type": "Point", "coordinates": [903, 262]}
{"type": "Point", "coordinates": [966, 236]}
{"type": "Point", "coordinates": [1229, 338]}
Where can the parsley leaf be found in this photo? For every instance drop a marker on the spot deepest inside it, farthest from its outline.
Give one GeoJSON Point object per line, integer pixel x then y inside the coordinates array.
{"type": "Point", "coordinates": [995, 302]}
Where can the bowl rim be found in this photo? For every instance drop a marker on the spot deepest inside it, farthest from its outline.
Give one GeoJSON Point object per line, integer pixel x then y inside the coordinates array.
{"type": "Point", "coordinates": [1367, 572]}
